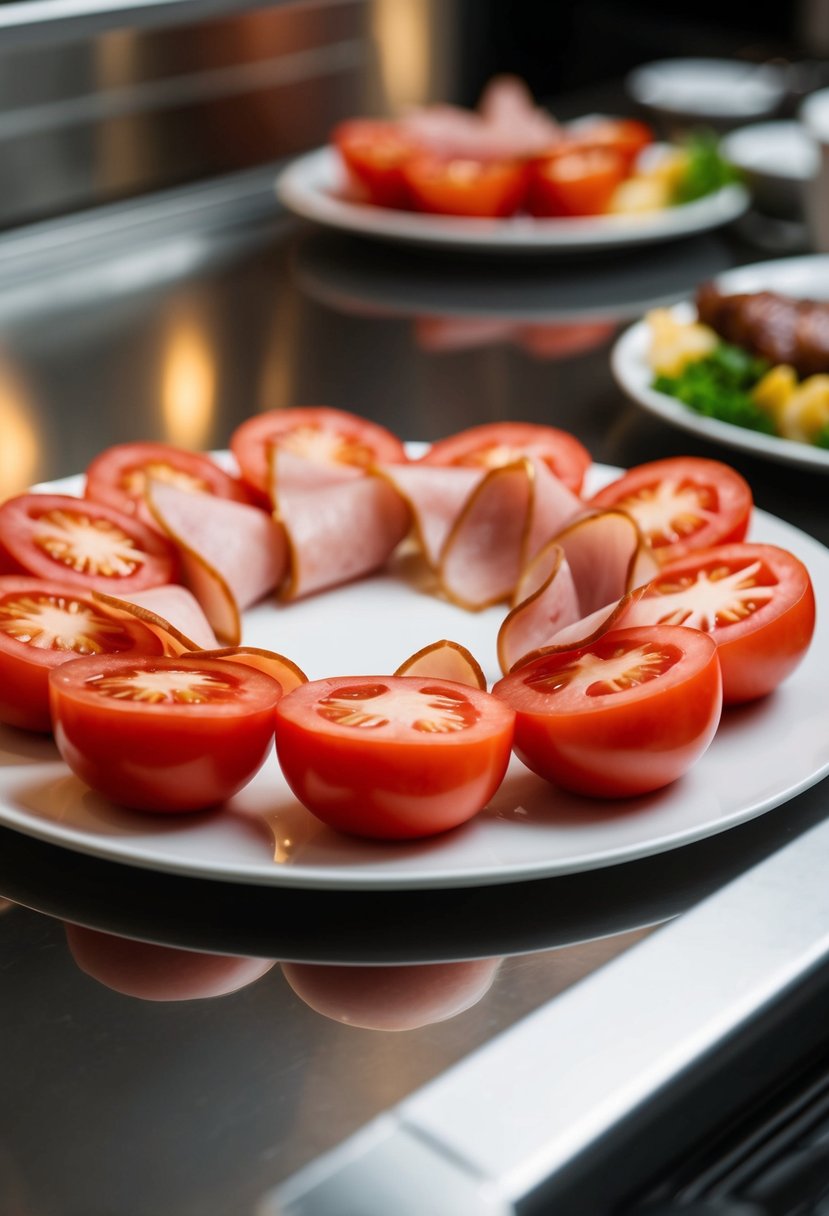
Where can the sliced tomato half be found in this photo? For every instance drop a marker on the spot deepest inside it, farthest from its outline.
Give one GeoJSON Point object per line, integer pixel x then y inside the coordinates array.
{"type": "Point", "coordinates": [462, 186]}
{"type": "Point", "coordinates": [682, 504]}
{"type": "Point", "coordinates": [44, 624]}
{"type": "Point", "coordinates": [119, 476]}
{"type": "Point", "coordinates": [393, 757]}
{"type": "Point", "coordinates": [82, 544]}
{"type": "Point", "coordinates": [755, 601]}
{"type": "Point", "coordinates": [374, 152]}
{"type": "Point", "coordinates": [320, 434]}
{"type": "Point", "coordinates": [494, 444]}
{"type": "Point", "coordinates": [168, 735]}
{"type": "Point", "coordinates": [625, 715]}
{"type": "Point", "coordinates": [625, 136]}
{"type": "Point", "coordinates": [574, 182]}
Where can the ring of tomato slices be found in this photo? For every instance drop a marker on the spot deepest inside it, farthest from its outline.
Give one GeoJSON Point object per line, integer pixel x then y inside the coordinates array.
{"type": "Point", "coordinates": [393, 757]}
{"type": "Point", "coordinates": [119, 476]}
{"type": "Point", "coordinates": [44, 624]}
{"type": "Point", "coordinates": [316, 432]}
{"type": "Point", "coordinates": [83, 544]}
{"type": "Point", "coordinates": [623, 716]}
{"type": "Point", "coordinates": [498, 443]}
{"type": "Point", "coordinates": [168, 735]}
{"type": "Point", "coordinates": [682, 504]}
{"type": "Point", "coordinates": [757, 603]}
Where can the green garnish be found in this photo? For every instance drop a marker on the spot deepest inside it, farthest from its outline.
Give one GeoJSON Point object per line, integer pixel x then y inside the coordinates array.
{"type": "Point", "coordinates": [821, 440]}
{"type": "Point", "coordinates": [719, 386]}
{"type": "Point", "coordinates": [706, 170]}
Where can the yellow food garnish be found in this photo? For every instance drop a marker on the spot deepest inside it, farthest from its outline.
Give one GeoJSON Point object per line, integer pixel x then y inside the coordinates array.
{"type": "Point", "coordinates": [669, 168]}
{"type": "Point", "coordinates": [674, 344]}
{"type": "Point", "coordinates": [807, 410]}
{"type": "Point", "coordinates": [638, 194]}
{"type": "Point", "coordinates": [775, 390]}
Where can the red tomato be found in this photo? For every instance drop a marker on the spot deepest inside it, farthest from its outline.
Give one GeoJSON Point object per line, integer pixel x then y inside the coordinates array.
{"type": "Point", "coordinates": [487, 189]}
{"type": "Point", "coordinates": [164, 735]}
{"type": "Point", "coordinates": [82, 544]}
{"type": "Point", "coordinates": [44, 624]}
{"type": "Point", "coordinates": [625, 136]}
{"type": "Point", "coordinates": [572, 183]}
{"type": "Point", "coordinates": [119, 476]}
{"type": "Point", "coordinates": [756, 602]}
{"type": "Point", "coordinates": [682, 504]}
{"type": "Point", "coordinates": [374, 153]}
{"type": "Point", "coordinates": [498, 443]}
{"type": "Point", "coordinates": [623, 716]}
{"type": "Point", "coordinates": [318, 433]}
{"type": "Point", "coordinates": [393, 757]}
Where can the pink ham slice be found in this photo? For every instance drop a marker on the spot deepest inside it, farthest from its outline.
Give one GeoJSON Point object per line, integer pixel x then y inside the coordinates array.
{"type": "Point", "coordinates": [553, 506]}
{"type": "Point", "coordinates": [277, 666]}
{"type": "Point", "coordinates": [336, 532]}
{"type": "Point", "coordinates": [445, 660]}
{"type": "Point", "coordinates": [550, 603]}
{"type": "Point", "coordinates": [299, 473]}
{"type": "Point", "coordinates": [436, 496]}
{"type": "Point", "coordinates": [170, 611]}
{"type": "Point", "coordinates": [231, 554]}
{"type": "Point", "coordinates": [507, 125]}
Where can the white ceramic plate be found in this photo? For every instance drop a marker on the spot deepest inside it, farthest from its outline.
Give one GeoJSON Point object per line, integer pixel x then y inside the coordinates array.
{"type": "Point", "coordinates": [314, 187]}
{"type": "Point", "coordinates": [805, 277]}
{"type": "Point", "coordinates": [762, 756]}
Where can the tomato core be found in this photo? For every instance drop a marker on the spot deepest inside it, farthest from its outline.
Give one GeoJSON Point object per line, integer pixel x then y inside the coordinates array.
{"type": "Point", "coordinates": [61, 622]}
{"type": "Point", "coordinates": [86, 545]}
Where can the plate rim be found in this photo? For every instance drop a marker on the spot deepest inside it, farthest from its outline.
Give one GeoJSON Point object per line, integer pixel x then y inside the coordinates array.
{"type": "Point", "coordinates": [311, 877]}
{"type": "Point", "coordinates": [632, 374]}
{"type": "Point", "coordinates": [297, 189]}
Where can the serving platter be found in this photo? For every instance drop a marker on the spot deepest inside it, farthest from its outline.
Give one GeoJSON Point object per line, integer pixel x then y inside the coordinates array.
{"type": "Point", "coordinates": [314, 186]}
{"type": "Point", "coordinates": [762, 755]}
{"type": "Point", "coordinates": [803, 277]}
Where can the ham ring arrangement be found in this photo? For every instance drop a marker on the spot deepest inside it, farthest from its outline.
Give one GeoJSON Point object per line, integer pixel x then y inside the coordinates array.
{"type": "Point", "coordinates": [165, 551]}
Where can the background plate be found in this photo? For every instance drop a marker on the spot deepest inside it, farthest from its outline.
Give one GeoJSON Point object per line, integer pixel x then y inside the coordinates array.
{"type": "Point", "coordinates": [805, 277]}
{"type": "Point", "coordinates": [314, 185]}
{"type": "Point", "coordinates": [762, 755]}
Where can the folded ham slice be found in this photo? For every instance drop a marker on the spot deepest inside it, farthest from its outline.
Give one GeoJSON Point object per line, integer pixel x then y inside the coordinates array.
{"type": "Point", "coordinates": [445, 660]}
{"type": "Point", "coordinates": [436, 497]}
{"type": "Point", "coordinates": [170, 611]}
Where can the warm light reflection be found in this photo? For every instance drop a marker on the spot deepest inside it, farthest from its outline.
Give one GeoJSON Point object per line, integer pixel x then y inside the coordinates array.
{"type": "Point", "coordinates": [19, 439]}
{"type": "Point", "coordinates": [401, 30]}
{"type": "Point", "coordinates": [188, 390]}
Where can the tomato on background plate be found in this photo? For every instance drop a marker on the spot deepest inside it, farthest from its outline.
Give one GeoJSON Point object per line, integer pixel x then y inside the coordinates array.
{"type": "Point", "coordinates": [755, 601]}
{"type": "Point", "coordinates": [494, 444]}
{"type": "Point", "coordinates": [44, 624]}
{"type": "Point", "coordinates": [118, 476]}
{"type": "Point", "coordinates": [627, 137]}
{"type": "Point", "coordinates": [574, 182]}
{"type": "Point", "coordinates": [374, 152]}
{"type": "Point", "coordinates": [682, 504]}
{"type": "Point", "coordinates": [168, 735]}
{"type": "Point", "coordinates": [393, 757]}
{"type": "Point", "coordinates": [315, 432]}
{"type": "Point", "coordinates": [623, 716]}
{"type": "Point", "coordinates": [486, 189]}
{"type": "Point", "coordinates": [83, 544]}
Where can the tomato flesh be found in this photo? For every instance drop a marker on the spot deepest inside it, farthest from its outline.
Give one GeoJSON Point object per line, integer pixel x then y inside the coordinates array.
{"type": "Point", "coordinates": [45, 624]}
{"type": "Point", "coordinates": [487, 189]}
{"type": "Point", "coordinates": [682, 504]}
{"type": "Point", "coordinates": [82, 544]}
{"type": "Point", "coordinates": [317, 433]}
{"type": "Point", "coordinates": [167, 735]}
{"type": "Point", "coordinates": [755, 601]}
{"type": "Point", "coordinates": [621, 717]}
{"type": "Point", "coordinates": [374, 153]}
{"type": "Point", "coordinates": [119, 476]}
{"type": "Point", "coordinates": [575, 182]}
{"type": "Point", "coordinates": [625, 136]}
{"type": "Point", "coordinates": [500, 443]}
{"type": "Point", "coordinates": [393, 757]}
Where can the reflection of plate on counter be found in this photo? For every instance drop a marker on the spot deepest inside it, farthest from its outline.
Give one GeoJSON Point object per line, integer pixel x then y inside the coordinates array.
{"type": "Point", "coordinates": [314, 187]}
{"type": "Point", "coordinates": [804, 277]}
{"type": "Point", "coordinates": [366, 280]}
{"type": "Point", "coordinates": [763, 755]}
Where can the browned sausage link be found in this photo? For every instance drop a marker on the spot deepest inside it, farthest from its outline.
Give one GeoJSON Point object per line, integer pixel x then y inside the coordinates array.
{"type": "Point", "coordinates": [781, 329]}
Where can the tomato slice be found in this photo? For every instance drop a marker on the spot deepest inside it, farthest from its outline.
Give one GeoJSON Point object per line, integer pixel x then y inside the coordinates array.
{"type": "Point", "coordinates": [118, 477]}
{"type": "Point", "coordinates": [573, 183]}
{"type": "Point", "coordinates": [755, 601]}
{"type": "Point", "coordinates": [393, 757]}
{"type": "Point", "coordinates": [682, 504]}
{"type": "Point", "coordinates": [318, 433]}
{"type": "Point", "coordinates": [625, 136]}
{"type": "Point", "coordinates": [374, 153]}
{"type": "Point", "coordinates": [500, 443]}
{"type": "Point", "coordinates": [168, 735]}
{"type": "Point", "coordinates": [83, 544]}
{"type": "Point", "coordinates": [44, 624]}
{"type": "Point", "coordinates": [483, 188]}
{"type": "Point", "coordinates": [628, 714]}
